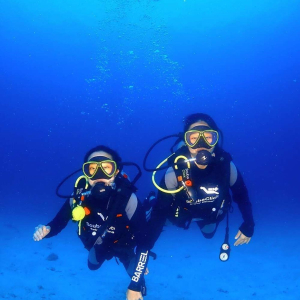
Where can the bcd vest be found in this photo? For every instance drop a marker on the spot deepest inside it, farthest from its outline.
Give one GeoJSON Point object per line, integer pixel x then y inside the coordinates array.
{"type": "Point", "coordinates": [206, 194]}
{"type": "Point", "coordinates": [109, 219]}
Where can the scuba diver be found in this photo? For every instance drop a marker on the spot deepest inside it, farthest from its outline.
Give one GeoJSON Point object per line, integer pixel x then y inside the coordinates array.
{"type": "Point", "coordinates": [197, 183]}
{"type": "Point", "coordinates": [111, 220]}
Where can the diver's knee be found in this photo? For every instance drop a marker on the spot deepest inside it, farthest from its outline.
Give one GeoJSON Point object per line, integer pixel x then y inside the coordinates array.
{"type": "Point", "coordinates": [93, 263]}
{"type": "Point", "coordinates": [93, 267]}
{"type": "Point", "coordinates": [209, 230]}
{"type": "Point", "coordinates": [208, 235]}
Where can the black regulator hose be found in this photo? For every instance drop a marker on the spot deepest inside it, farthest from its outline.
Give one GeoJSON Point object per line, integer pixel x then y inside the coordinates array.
{"type": "Point", "coordinates": [151, 148]}
{"type": "Point", "coordinates": [138, 176]}
{"type": "Point", "coordinates": [62, 182]}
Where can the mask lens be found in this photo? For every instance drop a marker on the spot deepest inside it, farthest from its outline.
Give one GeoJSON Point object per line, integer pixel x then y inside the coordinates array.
{"type": "Point", "coordinates": [192, 137]}
{"type": "Point", "coordinates": [211, 137]}
{"type": "Point", "coordinates": [90, 169]}
{"type": "Point", "coordinates": [108, 167]}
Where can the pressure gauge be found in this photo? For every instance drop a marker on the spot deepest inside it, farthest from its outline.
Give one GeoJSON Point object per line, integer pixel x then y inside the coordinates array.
{"type": "Point", "coordinates": [225, 246]}
{"type": "Point", "coordinates": [224, 256]}
{"type": "Point", "coordinates": [224, 251]}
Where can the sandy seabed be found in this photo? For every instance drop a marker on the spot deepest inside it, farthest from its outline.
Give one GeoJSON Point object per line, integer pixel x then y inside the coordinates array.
{"type": "Point", "coordinates": [187, 266]}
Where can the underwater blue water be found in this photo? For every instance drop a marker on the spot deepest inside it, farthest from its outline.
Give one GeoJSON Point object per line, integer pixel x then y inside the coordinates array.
{"type": "Point", "coordinates": [124, 73]}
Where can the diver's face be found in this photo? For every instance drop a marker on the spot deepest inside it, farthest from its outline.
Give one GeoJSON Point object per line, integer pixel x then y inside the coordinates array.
{"type": "Point", "coordinates": [106, 166]}
{"type": "Point", "coordinates": [194, 137]}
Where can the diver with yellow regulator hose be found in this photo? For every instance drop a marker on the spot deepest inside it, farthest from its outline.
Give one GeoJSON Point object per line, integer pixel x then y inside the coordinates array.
{"type": "Point", "coordinates": [111, 220]}
{"type": "Point", "coordinates": [199, 184]}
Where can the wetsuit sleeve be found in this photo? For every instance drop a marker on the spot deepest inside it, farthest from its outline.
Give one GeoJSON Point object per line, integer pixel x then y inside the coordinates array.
{"type": "Point", "coordinates": [61, 220]}
{"type": "Point", "coordinates": [241, 197]}
{"type": "Point", "coordinates": [137, 217]}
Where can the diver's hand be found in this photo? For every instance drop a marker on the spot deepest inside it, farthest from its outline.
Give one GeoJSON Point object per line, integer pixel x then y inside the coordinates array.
{"type": "Point", "coordinates": [133, 295]}
{"type": "Point", "coordinates": [40, 232]}
{"type": "Point", "coordinates": [241, 239]}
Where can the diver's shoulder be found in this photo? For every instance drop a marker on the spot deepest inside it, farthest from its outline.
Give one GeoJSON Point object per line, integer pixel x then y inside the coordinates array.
{"type": "Point", "coordinates": [222, 155]}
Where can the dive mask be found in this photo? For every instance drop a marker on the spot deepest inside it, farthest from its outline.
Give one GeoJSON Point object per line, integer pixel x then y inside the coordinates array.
{"type": "Point", "coordinates": [201, 137]}
{"type": "Point", "coordinates": [99, 167]}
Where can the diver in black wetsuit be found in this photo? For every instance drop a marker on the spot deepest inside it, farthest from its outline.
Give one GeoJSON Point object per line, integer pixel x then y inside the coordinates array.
{"type": "Point", "coordinates": [110, 218]}
{"type": "Point", "coordinates": [197, 184]}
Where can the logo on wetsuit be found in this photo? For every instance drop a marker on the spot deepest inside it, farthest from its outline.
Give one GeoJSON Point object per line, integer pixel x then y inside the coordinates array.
{"type": "Point", "coordinates": [140, 267]}
{"type": "Point", "coordinates": [93, 227]}
{"type": "Point", "coordinates": [111, 229]}
{"type": "Point", "coordinates": [209, 191]}
{"type": "Point", "coordinates": [206, 200]}
{"type": "Point", "coordinates": [209, 195]}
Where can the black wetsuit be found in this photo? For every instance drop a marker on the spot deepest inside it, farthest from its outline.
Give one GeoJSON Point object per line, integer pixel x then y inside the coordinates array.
{"type": "Point", "coordinates": [211, 196]}
{"type": "Point", "coordinates": [124, 236]}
